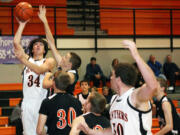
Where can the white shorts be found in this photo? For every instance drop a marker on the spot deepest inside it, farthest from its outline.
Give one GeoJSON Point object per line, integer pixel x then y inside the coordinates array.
{"type": "Point", "coordinates": [30, 114]}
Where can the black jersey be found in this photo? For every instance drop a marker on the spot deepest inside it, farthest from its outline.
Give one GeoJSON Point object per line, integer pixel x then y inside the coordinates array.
{"type": "Point", "coordinates": [60, 110]}
{"type": "Point", "coordinates": [160, 115]}
{"type": "Point", "coordinates": [72, 86]}
{"type": "Point", "coordinates": [95, 122]}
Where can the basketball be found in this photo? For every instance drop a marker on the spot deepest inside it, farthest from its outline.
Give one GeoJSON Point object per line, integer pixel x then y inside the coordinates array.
{"type": "Point", "coordinates": [23, 11]}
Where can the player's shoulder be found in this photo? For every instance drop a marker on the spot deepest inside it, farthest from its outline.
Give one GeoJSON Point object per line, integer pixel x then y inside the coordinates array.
{"type": "Point", "coordinates": [48, 99]}
{"type": "Point", "coordinates": [52, 96]}
{"type": "Point", "coordinates": [50, 60]}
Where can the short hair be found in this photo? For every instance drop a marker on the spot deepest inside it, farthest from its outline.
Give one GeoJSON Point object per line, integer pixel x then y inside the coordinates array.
{"type": "Point", "coordinates": [75, 60]}
{"type": "Point", "coordinates": [162, 82]}
{"type": "Point", "coordinates": [84, 81]}
{"type": "Point", "coordinates": [93, 87]}
{"type": "Point", "coordinates": [113, 61]}
{"type": "Point", "coordinates": [105, 87]}
{"type": "Point", "coordinates": [93, 58]}
{"type": "Point", "coordinates": [98, 102]}
{"type": "Point", "coordinates": [127, 72]}
{"type": "Point", "coordinates": [30, 47]}
{"type": "Point", "coordinates": [62, 80]}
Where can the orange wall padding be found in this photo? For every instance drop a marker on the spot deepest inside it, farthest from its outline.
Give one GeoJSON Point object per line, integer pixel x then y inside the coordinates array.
{"type": "Point", "coordinates": [11, 86]}
{"type": "Point", "coordinates": [14, 101]}
{"type": "Point", "coordinates": [3, 121]}
{"type": "Point", "coordinates": [155, 122]}
{"type": "Point", "coordinates": [7, 130]}
{"type": "Point", "coordinates": [155, 130]}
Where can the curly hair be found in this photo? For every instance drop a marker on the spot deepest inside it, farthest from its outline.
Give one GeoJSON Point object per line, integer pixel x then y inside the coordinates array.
{"type": "Point", "coordinates": [30, 47]}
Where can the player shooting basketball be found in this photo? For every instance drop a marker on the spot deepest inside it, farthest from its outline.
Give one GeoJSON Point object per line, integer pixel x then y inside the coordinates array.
{"type": "Point", "coordinates": [36, 65]}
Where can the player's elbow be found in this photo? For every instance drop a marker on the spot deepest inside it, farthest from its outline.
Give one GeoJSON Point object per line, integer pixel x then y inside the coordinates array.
{"type": "Point", "coordinates": [169, 127]}
{"type": "Point", "coordinates": [15, 42]}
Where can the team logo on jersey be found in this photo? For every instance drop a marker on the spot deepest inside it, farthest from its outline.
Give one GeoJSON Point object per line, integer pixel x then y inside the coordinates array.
{"type": "Point", "coordinates": [118, 114]}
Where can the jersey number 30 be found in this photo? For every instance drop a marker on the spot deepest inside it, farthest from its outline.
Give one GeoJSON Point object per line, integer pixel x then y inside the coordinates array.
{"type": "Point", "coordinates": [63, 121]}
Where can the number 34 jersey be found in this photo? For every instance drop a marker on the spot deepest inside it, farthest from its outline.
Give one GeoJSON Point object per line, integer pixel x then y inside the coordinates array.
{"type": "Point", "coordinates": [32, 83]}
{"type": "Point", "coordinates": [126, 119]}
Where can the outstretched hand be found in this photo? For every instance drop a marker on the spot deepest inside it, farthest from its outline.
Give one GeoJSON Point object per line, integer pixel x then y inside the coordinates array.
{"type": "Point", "coordinates": [42, 13]}
{"type": "Point", "coordinates": [21, 22]}
{"type": "Point", "coordinates": [131, 46]}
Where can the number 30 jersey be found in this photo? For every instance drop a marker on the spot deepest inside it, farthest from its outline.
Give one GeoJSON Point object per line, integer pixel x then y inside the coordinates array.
{"type": "Point", "coordinates": [61, 109]}
{"type": "Point", "coordinates": [126, 119]}
{"type": "Point", "coordinates": [32, 83]}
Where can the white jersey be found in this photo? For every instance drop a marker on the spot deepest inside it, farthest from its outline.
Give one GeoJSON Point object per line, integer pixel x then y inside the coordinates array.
{"type": "Point", "coordinates": [82, 99]}
{"type": "Point", "coordinates": [32, 83]}
{"type": "Point", "coordinates": [126, 119]}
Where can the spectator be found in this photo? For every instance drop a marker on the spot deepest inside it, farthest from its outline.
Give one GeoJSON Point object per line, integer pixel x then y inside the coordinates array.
{"type": "Point", "coordinates": [107, 94]}
{"type": "Point", "coordinates": [155, 66]}
{"type": "Point", "coordinates": [114, 63]}
{"type": "Point", "coordinates": [166, 112]}
{"type": "Point", "coordinates": [82, 97]}
{"type": "Point", "coordinates": [59, 110]}
{"type": "Point", "coordinates": [171, 71]}
{"type": "Point", "coordinates": [92, 89]}
{"type": "Point", "coordinates": [94, 73]}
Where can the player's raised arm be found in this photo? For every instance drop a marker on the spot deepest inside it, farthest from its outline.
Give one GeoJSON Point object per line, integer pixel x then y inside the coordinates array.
{"type": "Point", "coordinates": [146, 91]}
{"type": "Point", "coordinates": [17, 38]}
{"type": "Point", "coordinates": [49, 36]}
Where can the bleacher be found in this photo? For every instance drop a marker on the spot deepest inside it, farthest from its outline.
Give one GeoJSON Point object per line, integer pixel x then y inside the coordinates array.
{"type": "Point", "coordinates": [155, 21]}
{"type": "Point", "coordinates": [10, 96]}
{"type": "Point", "coordinates": [147, 22]}
{"type": "Point", "coordinates": [35, 27]}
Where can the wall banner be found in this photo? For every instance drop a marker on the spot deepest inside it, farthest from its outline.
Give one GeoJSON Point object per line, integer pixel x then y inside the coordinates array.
{"type": "Point", "coordinates": [7, 51]}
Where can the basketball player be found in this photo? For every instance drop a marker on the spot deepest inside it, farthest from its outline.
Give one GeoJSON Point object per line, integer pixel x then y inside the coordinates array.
{"type": "Point", "coordinates": [130, 112]}
{"type": "Point", "coordinates": [58, 110]}
{"type": "Point", "coordinates": [94, 105]}
{"type": "Point", "coordinates": [35, 68]}
{"type": "Point", "coordinates": [166, 112]}
{"type": "Point", "coordinates": [70, 62]}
